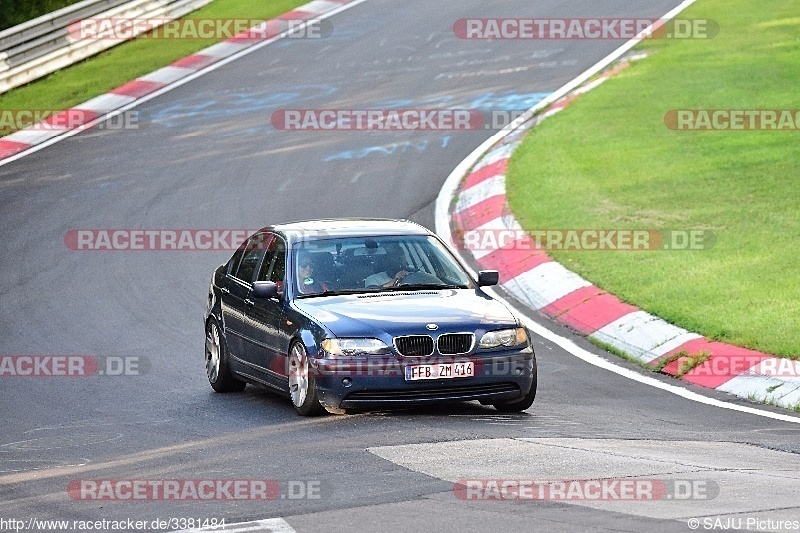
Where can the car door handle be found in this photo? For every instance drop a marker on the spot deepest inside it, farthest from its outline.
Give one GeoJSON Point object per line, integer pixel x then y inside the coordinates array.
{"type": "Point", "coordinates": [225, 290]}
{"type": "Point", "coordinates": [249, 302]}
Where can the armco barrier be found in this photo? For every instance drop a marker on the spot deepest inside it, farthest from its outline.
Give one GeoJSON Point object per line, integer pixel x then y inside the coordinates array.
{"type": "Point", "coordinates": [43, 45]}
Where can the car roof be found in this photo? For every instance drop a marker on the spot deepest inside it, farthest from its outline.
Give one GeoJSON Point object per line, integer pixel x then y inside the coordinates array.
{"type": "Point", "coordinates": [347, 227]}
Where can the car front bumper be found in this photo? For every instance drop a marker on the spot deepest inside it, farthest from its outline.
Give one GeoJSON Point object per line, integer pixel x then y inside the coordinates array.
{"type": "Point", "coordinates": [380, 381]}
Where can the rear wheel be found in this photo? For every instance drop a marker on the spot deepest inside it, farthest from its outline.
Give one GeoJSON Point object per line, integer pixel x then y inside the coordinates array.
{"type": "Point", "coordinates": [302, 387]}
{"type": "Point", "coordinates": [219, 375]}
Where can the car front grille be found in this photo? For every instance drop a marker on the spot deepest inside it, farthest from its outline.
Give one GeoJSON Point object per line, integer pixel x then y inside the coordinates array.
{"type": "Point", "coordinates": [422, 345]}
{"type": "Point", "coordinates": [414, 345]}
{"type": "Point", "coordinates": [455, 343]}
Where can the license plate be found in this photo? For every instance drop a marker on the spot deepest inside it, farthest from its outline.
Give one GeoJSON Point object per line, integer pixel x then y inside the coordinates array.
{"type": "Point", "coordinates": [440, 371]}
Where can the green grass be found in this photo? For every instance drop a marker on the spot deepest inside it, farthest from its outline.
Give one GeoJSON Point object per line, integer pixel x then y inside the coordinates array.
{"type": "Point", "coordinates": [692, 362]}
{"type": "Point", "coordinates": [609, 161]}
{"type": "Point", "coordinates": [127, 61]}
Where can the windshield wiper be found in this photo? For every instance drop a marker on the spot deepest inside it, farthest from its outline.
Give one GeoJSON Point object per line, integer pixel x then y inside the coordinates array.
{"type": "Point", "coordinates": [331, 292]}
{"type": "Point", "coordinates": [422, 286]}
{"type": "Point", "coordinates": [399, 288]}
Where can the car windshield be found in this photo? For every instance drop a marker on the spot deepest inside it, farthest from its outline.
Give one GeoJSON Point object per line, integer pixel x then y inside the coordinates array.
{"type": "Point", "coordinates": [375, 264]}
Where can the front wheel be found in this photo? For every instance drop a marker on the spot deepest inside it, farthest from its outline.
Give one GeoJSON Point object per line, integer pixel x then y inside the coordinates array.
{"type": "Point", "coordinates": [219, 375]}
{"type": "Point", "coordinates": [302, 387]}
{"type": "Point", "coordinates": [519, 405]}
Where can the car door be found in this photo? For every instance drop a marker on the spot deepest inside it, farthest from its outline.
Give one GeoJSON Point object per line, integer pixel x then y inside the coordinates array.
{"type": "Point", "coordinates": [268, 345]}
{"type": "Point", "coordinates": [235, 296]}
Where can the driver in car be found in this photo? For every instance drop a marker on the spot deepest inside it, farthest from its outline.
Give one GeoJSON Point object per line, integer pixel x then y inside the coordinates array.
{"type": "Point", "coordinates": [395, 269]}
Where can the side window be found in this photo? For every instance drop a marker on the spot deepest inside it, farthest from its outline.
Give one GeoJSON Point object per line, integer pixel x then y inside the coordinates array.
{"type": "Point", "coordinates": [233, 264]}
{"type": "Point", "coordinates": [274, 266]}
{"type": "Point", "coordinates": [248, 265]}
{"type": "Point", "coordinates": [279, 267]}
{"type": "Point", "coordinates": [252, 255]}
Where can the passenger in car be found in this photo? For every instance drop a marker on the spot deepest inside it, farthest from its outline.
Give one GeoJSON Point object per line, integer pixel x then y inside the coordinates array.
{"type": "Point", "coordinates": [306, 283]}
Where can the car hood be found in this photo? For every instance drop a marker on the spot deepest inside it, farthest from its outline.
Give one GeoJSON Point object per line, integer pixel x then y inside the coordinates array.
{"type": "Point", "coordinates": [407, 313]}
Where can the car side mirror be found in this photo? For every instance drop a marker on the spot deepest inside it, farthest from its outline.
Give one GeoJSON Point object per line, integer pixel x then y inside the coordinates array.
{"type": "Point", "coordinates": [488, 277]}
{"type": "Point", "coordinates": [265, 289]}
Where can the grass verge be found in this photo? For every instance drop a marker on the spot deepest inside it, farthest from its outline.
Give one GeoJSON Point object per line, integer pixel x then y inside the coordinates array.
{"type": "Point", "coordinates": [609, 161]}
{"type": "Point", "coordinates": [125, 62]}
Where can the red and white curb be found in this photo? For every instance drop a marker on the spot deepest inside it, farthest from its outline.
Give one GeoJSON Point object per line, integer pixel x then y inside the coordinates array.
{"type": "Point", "coordinates": [89, 113]}
{"type": "Point", "coordinates": [534, 278]}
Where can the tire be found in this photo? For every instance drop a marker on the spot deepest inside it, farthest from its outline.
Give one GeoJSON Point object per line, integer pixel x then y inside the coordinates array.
{"type": "Point", "coordinates": [519, 405]}
{"type": "Point", "coordinates": [217, 370]}
{"type": "Point", "coordinates": [302, 387]}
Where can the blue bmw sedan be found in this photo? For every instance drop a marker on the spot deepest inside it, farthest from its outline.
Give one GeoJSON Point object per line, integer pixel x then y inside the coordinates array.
{"type": "Point", "coordinates": [346, 314]}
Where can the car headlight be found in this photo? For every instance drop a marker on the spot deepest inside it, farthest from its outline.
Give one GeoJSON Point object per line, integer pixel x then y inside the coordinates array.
{"type": "Point", "coordinates": [503, 337]}
{"type": "Point", "coordinates": [355, 347]}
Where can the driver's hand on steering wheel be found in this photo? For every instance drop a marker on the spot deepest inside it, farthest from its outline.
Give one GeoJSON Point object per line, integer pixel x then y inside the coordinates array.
{"type": "Point", "coordinates": [395, 281]}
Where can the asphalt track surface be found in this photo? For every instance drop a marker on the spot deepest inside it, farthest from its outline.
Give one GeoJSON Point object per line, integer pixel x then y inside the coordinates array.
{"type": "Point", "coordinates": [205, 156]}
